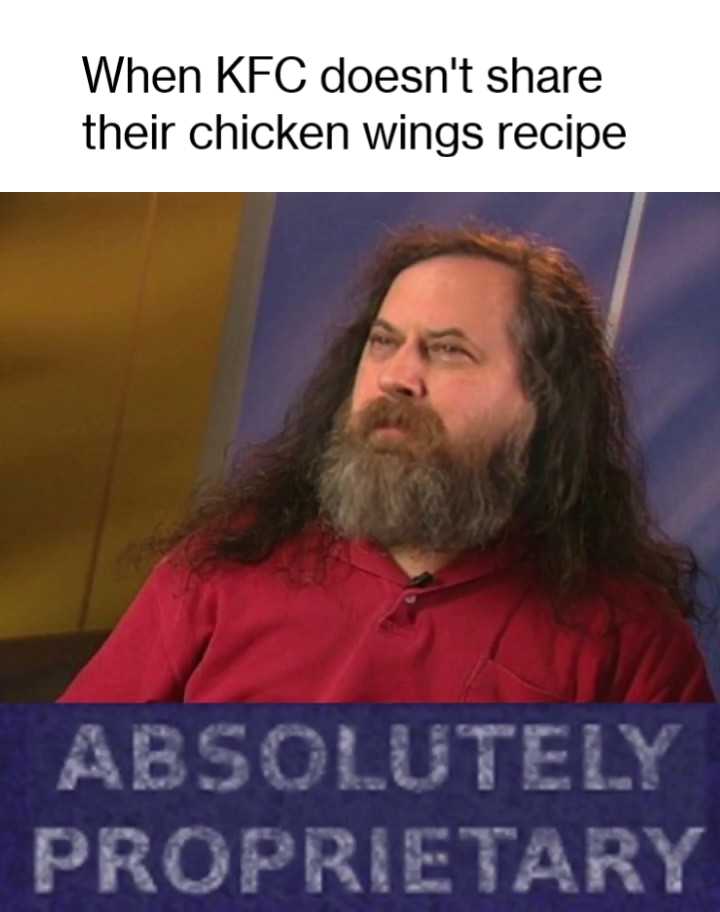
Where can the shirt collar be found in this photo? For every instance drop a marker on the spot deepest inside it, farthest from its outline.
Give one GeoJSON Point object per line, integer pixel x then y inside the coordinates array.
{"type": "Point", "coordinates": [470, 565]}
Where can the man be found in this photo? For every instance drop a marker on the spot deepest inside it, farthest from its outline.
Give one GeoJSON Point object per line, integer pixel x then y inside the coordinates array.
{"type": "Point", "coordinates": [451, 514]}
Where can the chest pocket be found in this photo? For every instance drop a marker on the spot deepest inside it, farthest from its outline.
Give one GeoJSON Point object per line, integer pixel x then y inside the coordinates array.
{"type": "Point", "coordinates": [492, 682]}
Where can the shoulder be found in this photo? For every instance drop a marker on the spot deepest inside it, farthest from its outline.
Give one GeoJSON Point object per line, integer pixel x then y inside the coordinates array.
{"type": "Point", "coordinates": [622, 641]}
{"type": "Point", "coordinates": [653, 653]}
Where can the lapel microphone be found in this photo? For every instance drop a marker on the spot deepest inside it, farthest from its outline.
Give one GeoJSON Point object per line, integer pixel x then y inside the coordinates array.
{"type": "Point", "coordinates": [420, 581]}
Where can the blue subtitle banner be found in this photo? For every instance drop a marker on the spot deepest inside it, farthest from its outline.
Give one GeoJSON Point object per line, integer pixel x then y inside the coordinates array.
{"type": "Point", "coordinates": [351, 807]}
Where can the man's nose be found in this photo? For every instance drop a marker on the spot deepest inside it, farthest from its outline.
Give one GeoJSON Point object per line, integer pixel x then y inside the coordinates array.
{"type": "Point", "coordinates": [403, 375]}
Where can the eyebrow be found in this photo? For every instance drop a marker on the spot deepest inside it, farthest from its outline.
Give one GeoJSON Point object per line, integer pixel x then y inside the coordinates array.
{"type": "Point", "coordinates": [431, 334]}
{"type": "Point", "coordinates": [450, 331]}
{"type": "Point", "coordinates": [385, 325]}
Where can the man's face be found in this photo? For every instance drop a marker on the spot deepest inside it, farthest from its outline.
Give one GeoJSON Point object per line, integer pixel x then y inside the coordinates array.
{"type": "Point", "coordinates": [441, 343]}
{"type": "Point", "coordinates": [430, 450]}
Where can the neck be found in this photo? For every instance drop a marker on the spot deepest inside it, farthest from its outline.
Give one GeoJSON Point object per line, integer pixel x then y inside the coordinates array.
{"type": "Point", "coordinates": [415, 562]}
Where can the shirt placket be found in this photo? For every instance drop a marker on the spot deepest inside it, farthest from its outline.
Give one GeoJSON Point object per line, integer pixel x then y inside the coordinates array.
{"type": "Point", "coordinates": [402, 613]}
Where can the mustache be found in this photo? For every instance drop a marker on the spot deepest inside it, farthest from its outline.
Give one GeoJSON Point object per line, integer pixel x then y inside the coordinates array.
{"type": "Point", "coordinates": [420, 421]}
{"type": "Point", "coordinates": [440, 496]}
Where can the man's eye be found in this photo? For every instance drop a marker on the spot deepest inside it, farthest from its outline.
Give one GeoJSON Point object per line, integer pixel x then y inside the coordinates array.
{"type": "Point", "coordinates": [448, 349]}
{"type": "Point", "coordinates": [380, 341]}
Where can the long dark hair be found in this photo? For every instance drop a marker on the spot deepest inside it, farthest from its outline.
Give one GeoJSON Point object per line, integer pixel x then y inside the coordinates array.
{"type": "Point", "coordinates": [585, 512]}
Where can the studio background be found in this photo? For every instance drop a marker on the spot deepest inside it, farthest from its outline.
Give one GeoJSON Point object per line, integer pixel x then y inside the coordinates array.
{"type": "Point", "coordinates": [147, 337]}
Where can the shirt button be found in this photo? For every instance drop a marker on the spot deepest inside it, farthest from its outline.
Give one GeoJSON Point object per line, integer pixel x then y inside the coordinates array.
{"type": "Point", "coordinates": [410, 599]}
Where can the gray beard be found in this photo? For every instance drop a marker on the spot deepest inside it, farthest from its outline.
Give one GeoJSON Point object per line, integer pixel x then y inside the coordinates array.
{"type": "Point", "coordinates": [437, 501]}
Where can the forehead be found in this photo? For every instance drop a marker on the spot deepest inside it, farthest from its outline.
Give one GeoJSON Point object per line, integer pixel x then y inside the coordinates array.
{"type": "Point", "coordinates": [469, 293]}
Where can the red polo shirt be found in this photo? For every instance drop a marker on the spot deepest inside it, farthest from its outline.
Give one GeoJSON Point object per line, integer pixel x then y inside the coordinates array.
{"type": "Point", "coordinates": [482, 631]}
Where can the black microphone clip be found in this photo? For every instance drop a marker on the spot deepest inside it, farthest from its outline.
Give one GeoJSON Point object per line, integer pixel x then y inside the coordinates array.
{"type": "Point", "coordinates": [421, 580]}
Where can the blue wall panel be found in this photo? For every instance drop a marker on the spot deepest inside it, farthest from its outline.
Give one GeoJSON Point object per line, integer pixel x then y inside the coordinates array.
{"type": "Point", "coordinates": [669, 345]}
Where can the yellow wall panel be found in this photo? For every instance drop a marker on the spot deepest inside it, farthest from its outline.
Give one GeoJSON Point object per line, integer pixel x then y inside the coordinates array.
{"type": "Point", "coordinates": [70, 271]}
{"type": "Point", "coordinates": [175, 351]}
{"type": "Point", "coordinates": [112, 307]}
